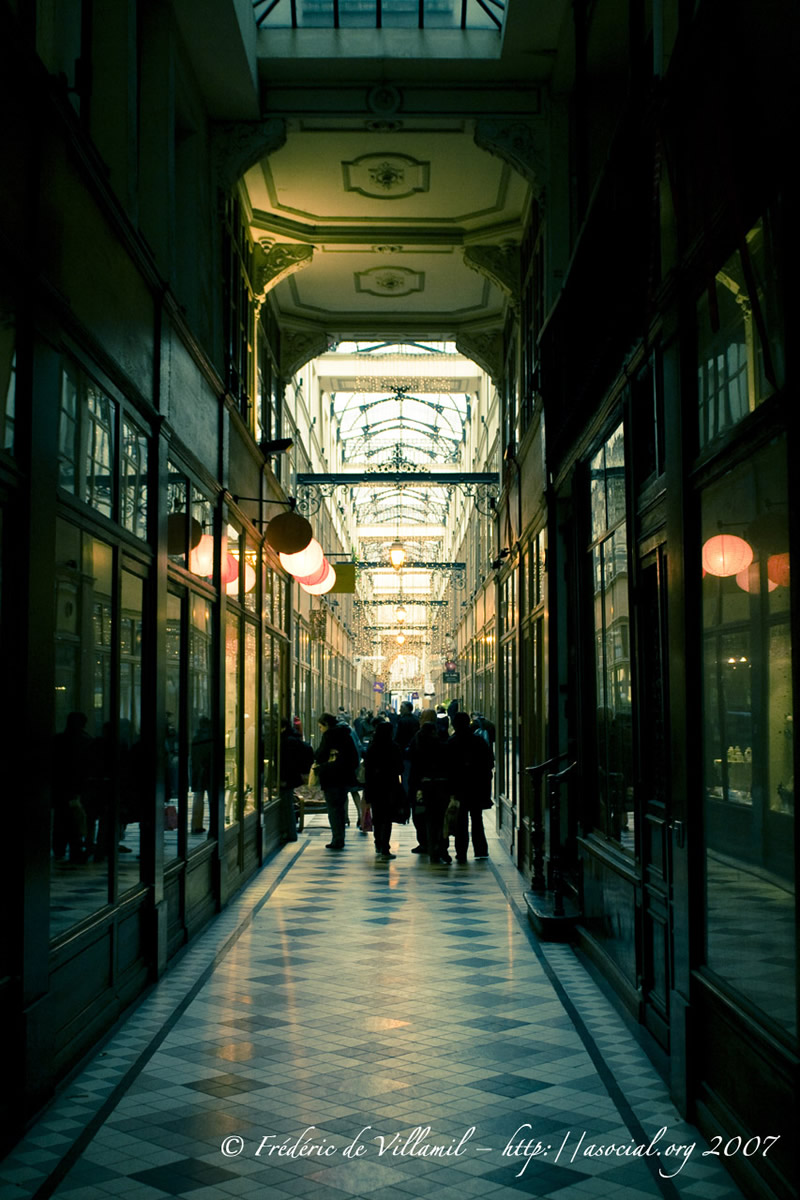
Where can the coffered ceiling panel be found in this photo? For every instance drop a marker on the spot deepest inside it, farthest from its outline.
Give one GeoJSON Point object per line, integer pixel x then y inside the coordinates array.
{"type": "Point", "coordinates": [333, 179]}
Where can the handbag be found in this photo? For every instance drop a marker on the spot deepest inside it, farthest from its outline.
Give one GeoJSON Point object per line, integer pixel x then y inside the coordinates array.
{"type": "Point", "coordinates": [366, 821]}
{"type": "Point", "coordinates": [451, 817]}
{"type": "Point", "coordinates": [399, 806]}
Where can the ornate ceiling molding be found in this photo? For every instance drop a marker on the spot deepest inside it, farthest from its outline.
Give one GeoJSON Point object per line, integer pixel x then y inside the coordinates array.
{"type": "Point", "coordinates": [386, 175]}
{"type": "Point", "coordinates": [390, 281]}
{"type": "Point", "coordinates": [519, 144]}
{"type": "Point", "coordinates": [238, 145]}
{"type": "Point", "coordinates": [486, 349]}
{"type": "Point", "coordinates": [274, 262]}
{"type": "Point", "coordinates": [299, 348]}
{"type": "Point", "coordinates": [499, 264]}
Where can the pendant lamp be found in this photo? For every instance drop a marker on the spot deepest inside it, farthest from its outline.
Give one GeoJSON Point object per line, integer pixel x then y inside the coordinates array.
{"type": "Point", "coordinates": [305, 562]}
{"type": "Point", "coordinates": [325, 584]}
{"type": "Point", "coordinates": [726, 554]}
{"type": "Point", "coordinates": [288, 533]}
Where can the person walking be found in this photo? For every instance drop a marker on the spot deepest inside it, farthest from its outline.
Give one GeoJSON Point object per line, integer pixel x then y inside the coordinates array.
{"type": "Point", "coordinates": [335, 767]}
{"type": "Point", "coordinates": [428, 788]}
{"type": "Point", "coordinates": [469, 766]}
{"type": "Point", "coordinates": [383, 769]}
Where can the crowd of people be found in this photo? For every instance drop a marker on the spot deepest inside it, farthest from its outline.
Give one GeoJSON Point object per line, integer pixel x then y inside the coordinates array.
{"type": "Point", "coordinates": [433, 766]}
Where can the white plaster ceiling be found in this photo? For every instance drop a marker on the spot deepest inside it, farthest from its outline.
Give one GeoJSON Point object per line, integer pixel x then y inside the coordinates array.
{"type": "Point", "coordinates": [388, 215]}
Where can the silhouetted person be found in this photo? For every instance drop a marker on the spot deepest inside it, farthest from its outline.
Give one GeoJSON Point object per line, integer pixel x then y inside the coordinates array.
{"type": "Point", "coordinates": [469, 763]}
{"type": "Point", "coordinates": [71, 766]}
{"type": "Point", "coordinates": [202, 752]}
{"type": "Point", "coordinates": [336, 762]}
{"type": "Point", "coordinates": [383, 766]}
{"type": "Point", "coordinates": [297, 759]}
{"type": "Point", "coordinates": [428, 789]}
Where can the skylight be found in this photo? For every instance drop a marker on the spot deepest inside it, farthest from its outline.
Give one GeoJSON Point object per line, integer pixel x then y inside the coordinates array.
{"type": "Point", "coordinates": [380, 14]}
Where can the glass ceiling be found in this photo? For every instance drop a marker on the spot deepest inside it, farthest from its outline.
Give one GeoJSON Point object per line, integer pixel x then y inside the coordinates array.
{"type": "Point", "coordinates": [379, 14]}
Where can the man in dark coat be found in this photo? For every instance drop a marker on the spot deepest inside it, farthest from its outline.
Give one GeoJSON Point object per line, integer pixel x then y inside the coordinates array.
{"type": "Point", "coordinates": [336, 763]}
{"type": "Point", "coordinates": [470, 763]}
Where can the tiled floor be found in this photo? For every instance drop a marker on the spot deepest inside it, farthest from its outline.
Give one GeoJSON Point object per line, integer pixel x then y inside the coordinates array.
{"type": "Point", "coordinates": [354, 1028]}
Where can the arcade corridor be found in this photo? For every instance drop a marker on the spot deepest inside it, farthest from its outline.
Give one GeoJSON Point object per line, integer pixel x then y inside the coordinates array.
{"type": "Point", "coordinates": [342, 993]}
{"type": "Point", "coordinates": [390, 354]}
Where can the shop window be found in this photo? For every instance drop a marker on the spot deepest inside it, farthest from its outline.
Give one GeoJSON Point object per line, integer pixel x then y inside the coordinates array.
{"type": "Point", "coordinates": [132, 782]}
{"type": "Point", "coordinates": [200, 727]}
{"type": "Point", "coordinates": [232, 678]}
{"type": "Point", "coordinates": [173, 679]}
{"type": "Point", "coordinates": [133, 497]}
{"type": "Point", "coordinates": [250, 718]}
{"type": "Point", "coordinates": [612, 664]}
{"type": "Point", "coordinates": [98, 783]}
{"type": "Point", "coordinates": [740, 354]}
{"type": "Point", "coordinates": [748, 732]}
{"type": "Point", "coordinates": [8, 375]}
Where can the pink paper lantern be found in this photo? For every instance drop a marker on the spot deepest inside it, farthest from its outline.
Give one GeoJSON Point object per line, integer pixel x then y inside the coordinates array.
{"type": "Point", "coordinates": [325, 584]}
{"type": "Point", "coordinates": [726, 554]}
{"type": "Point", "coordinates": [778, 569]}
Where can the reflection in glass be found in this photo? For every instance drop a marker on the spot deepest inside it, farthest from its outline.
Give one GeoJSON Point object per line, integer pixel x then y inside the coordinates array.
{"type": "Point", "coordinates": [173, 710]}
{"type": "Point", "coordinates": [613, 676]}
{"type": "Point", "coordinates": [133, 499]}
{"type": "Point", "coordinates": [132, 778]}
{"type": "Point", "coordinates": [748, 765]}
{"type": "Point", "coordinates": [231, 765]}
{"type": "Point", "coordinates": [200, 728]}
{"type": "Point", "coordinates": [250, 718]}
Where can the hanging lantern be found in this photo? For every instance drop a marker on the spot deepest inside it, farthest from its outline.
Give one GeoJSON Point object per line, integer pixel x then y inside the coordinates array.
{"type": "Point", "coordinates": [397, 555]}
{"type": "Point", "coordinates": [230, 573]}
{"type": "Point", "coordinates": [401, 637]}
{"type": "Point", "coordinates": [749, 580]}
{"type": "Point", "coordinates": [401, 614]}
{"type": "Point", "coordinates": [315, 577]}
{"type": "Point", "coordinates": [305, 562]}
{"type": "Point", "coordinates": [726, 554]}
{"type": "Point", "coordinates": [778, 569]}
{"type": "Point", "coordinates": [249, 576]}
{"type": "Point", "coordinates": [288, 533]}
{"type": "Point", "coordinates": [177, 526]}
{"type": "Point", "coordinates": [325, 584]}
{"type": "Point", "coordinates": [201, 559]}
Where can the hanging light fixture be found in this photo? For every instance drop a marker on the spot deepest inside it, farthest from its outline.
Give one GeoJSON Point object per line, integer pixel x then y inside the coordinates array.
{"type": "Point", "coordinates": [400, 614]}
{"type": "Point", "coordinates": [180, 526]}
{"type": "Point", "coordinates": [397, 555]}
{"type": "Point", "coordinates": [306, 562]}
{"type": "Point", "coordinates": [324, 585]}
{"type": "Point", "coordinates": [749, 580]}
{"type": "Point", "coordinates": [778, 569]}
{"type": "Point", "coordinates": [201, 559]}
{"type": "Point", "coordinates": [726, 554]}
{"type": "Point", "coordinates": [288, 533]}
{"type": "Point", "coordinates": [401, 637]}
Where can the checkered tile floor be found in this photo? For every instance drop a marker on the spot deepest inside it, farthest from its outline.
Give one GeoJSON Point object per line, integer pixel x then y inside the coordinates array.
{"type": "Point", "coordinates": [379, 1030]}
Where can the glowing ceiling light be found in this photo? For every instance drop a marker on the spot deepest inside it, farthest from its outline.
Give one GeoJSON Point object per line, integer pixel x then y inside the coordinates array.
{"type": "Point", "coordinates": [397, 555]}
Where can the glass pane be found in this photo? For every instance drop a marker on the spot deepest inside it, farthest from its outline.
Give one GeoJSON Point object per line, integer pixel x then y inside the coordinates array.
{"type": "Point", "coordinates": [271, 732]}
{"type": "Point", "coordinates": [172, 682]}
{"type": "Point", "coordinates": [68, 431]}
{"type": "Point", "coordinates": [98, 484]}
{"type": "Point", "coordinates": [734, 366]}
{"type": "Point", "coordinates": [748, 766]}
{"type": "Point", "coordinates": [231, 766]}
{"type": "Point", "coordinates": [133, 502]}
{"type": "Point", "coordinates": [8, 372]}
{"type": "Point", "coordinates": [201, 551]}
{"type": "Point", "coordinates": [82, 781]}
{"type": "Point", "coordinates": [597, 493]}
{"type": "Point", "coordinates": [250, 718]}
{"type": "Point", "coordinates": [615, 477]}
{"type": "Point", "coordinates": [178, 526]}
{"type": "Point", "coordinates": [132, 781]}
{"type": "Point", "coordinates": [200, 728]}
{"type": "Point", "coordinates": [250, 579]}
